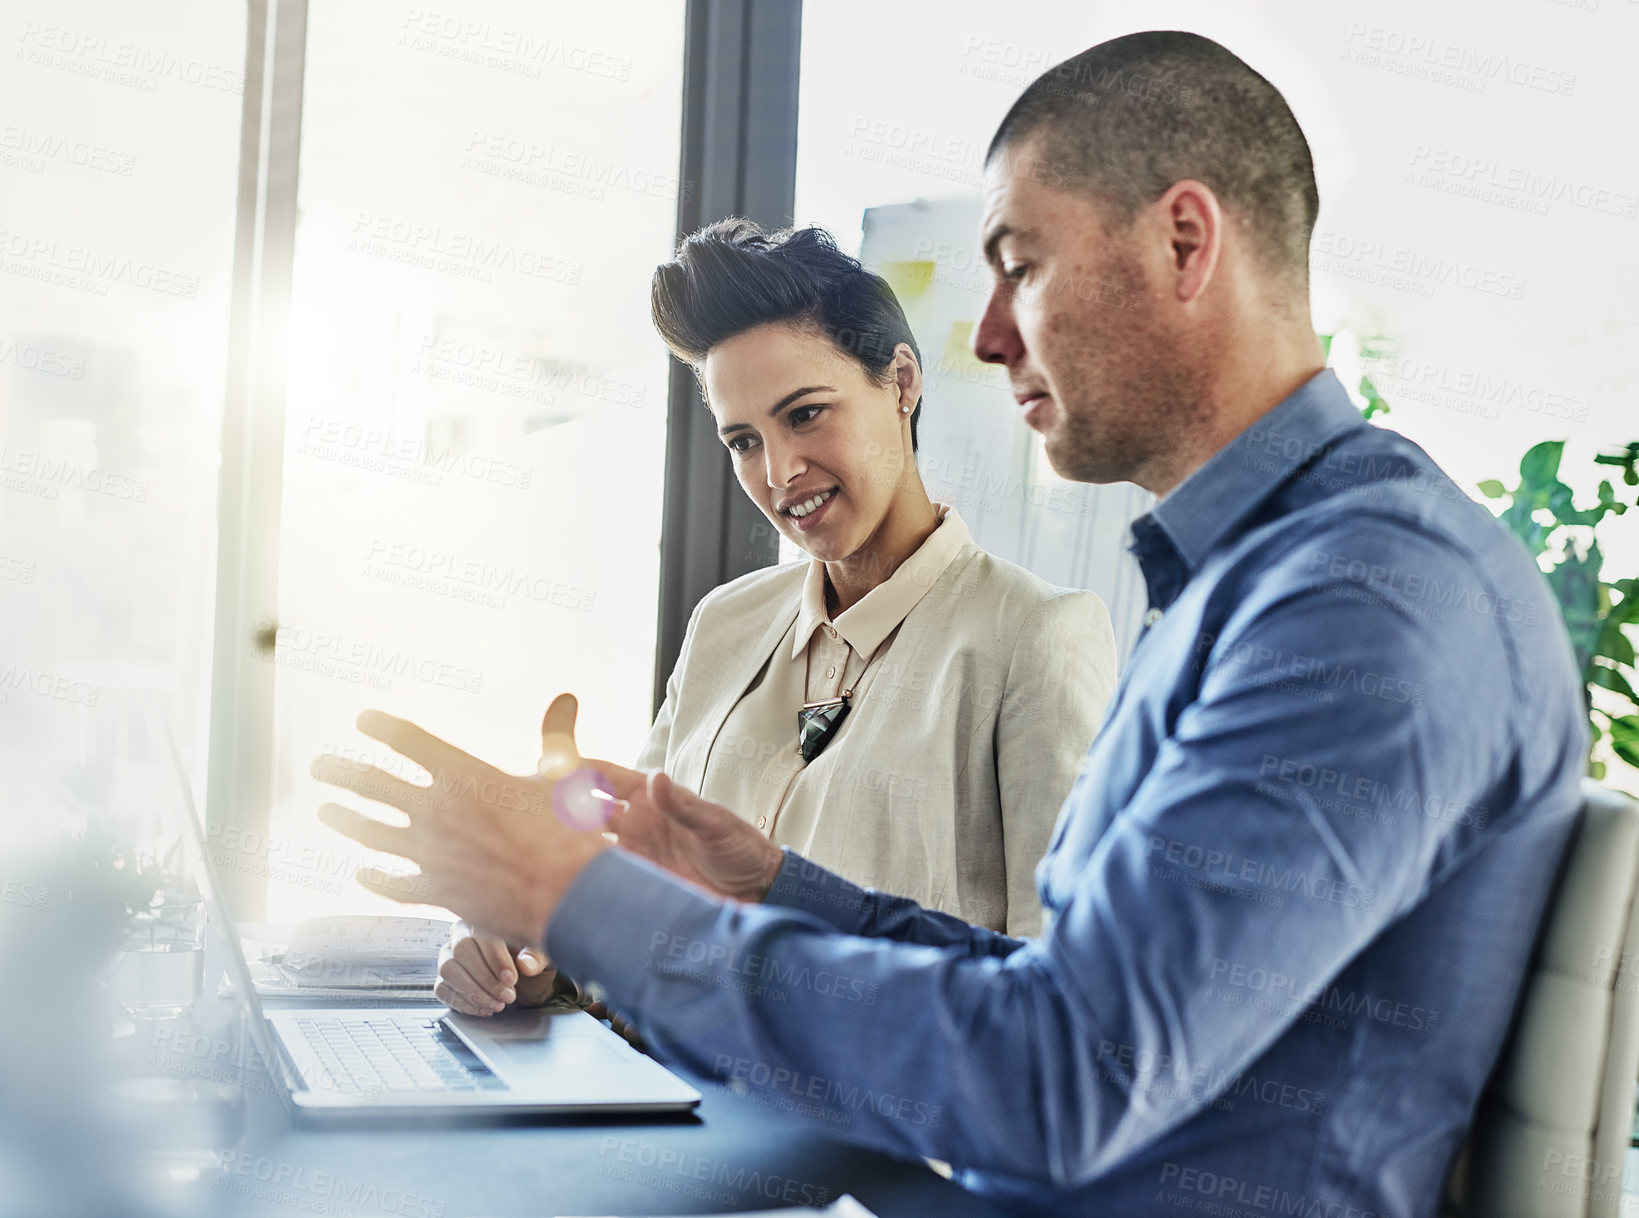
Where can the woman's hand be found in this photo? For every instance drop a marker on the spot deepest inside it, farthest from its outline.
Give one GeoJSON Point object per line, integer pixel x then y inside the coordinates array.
{"type": "Point", "coordinates": [702, 842]}
{"type": "Point", "coordinates": [479, 974]}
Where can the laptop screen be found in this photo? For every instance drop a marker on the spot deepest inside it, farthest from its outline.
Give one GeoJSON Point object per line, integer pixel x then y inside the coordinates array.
{"type": "Point", "coordinates": [204, 874]}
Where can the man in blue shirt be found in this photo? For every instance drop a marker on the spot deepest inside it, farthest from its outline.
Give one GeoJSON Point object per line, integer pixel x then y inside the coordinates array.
{"type": "Point", "coordinates": [1291, 897]}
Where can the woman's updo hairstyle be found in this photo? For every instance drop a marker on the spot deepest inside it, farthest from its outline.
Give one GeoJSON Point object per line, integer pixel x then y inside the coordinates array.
{"type": "Point", "coordinates": [732, 276]}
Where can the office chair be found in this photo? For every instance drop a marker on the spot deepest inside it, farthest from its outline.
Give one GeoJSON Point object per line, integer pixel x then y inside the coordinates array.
{"type": "Point", "coordinates": [1551, 1132]}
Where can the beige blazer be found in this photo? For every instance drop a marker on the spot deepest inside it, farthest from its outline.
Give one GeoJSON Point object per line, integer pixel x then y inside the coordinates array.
{"type": "Point", "coordinates": [945, 780]}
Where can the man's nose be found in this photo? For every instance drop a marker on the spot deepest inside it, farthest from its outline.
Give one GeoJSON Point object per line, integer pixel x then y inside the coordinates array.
{"type": "Point", "coordinates": [996, 339]}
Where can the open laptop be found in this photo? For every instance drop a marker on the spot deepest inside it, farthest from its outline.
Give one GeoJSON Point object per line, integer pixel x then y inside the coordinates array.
{"type": "Point", "coordinates": [335, 1063]}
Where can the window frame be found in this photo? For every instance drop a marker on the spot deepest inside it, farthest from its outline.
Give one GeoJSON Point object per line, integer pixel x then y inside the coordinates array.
{"type": "Point", "coordinates": [739, 158]}
{"type": "Point", "coordinates": [240, 769]}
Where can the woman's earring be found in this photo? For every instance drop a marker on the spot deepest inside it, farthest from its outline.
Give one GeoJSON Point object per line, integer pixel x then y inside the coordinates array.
{"type": "Point", "coordinates": [904, 410]}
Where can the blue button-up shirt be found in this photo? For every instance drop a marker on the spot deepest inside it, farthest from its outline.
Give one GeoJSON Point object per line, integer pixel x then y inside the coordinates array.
{"type": "Point", "coordinates": [1289, 900]}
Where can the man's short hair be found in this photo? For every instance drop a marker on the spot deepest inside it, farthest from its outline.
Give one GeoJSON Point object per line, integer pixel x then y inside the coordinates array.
{"type": "Point", "coordinates": [1126, 119]}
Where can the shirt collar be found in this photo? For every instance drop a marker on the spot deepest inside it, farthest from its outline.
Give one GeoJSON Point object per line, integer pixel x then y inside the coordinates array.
{"type": "Point", "coordinates": [864, 624]}
{"type": "Point", "coordinates": [1211, 504]}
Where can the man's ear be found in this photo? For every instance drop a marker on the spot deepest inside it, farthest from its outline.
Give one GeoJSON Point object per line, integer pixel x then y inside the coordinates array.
{"type": "Point", "coordinates": [1194, 225]}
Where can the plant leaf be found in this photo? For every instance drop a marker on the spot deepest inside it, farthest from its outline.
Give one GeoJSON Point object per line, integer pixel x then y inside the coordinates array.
{"type": "Point", "coordinates": [1540, 465]}
{"type": "Point", "coordinates": [1609, 678]}
{"type": "Point", "coordinates": [1518, 520]}
{"type": "Point", "coordinates": [1559, 503]}
{"type": "Point", "coordinates": [1615, 645]}
{"type": "Point", "coordinates": [1491, 488]}
{"type": "Point", "coordinates": [1374, 400]}
{"type": "Point", "coordinates": [1627, 609]}
{"type": "Point", "coordinates": [1625, 738]}
{"type": "Point", "coordinates": [1575, 582]}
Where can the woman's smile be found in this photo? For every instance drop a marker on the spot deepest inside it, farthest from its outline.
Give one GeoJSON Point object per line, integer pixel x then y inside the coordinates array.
{"type": "Point", "coordinates": [806, 513]}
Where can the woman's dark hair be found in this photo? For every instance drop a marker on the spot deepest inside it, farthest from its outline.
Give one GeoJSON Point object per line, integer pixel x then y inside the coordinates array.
{"type": "Point", "coordinates": [731, 276]}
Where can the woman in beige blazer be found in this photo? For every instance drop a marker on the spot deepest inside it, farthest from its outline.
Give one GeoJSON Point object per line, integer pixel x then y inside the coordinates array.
{"type": "Point", "coordinates": [899, 706]}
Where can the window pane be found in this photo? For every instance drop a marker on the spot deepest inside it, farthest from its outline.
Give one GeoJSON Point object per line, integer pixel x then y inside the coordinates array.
{"type": "Point", "coordinates": [476, 414]}
{"type": "Point", "coordinates": [119, 147]}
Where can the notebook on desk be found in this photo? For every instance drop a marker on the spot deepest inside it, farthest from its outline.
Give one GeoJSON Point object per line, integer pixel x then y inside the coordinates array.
{"type": "Point", "coordinates": [352, 958]}
{"type": "Point", "coordinates": [340, 1063]}
{"type": "Point", "coordinates": [271, 981]}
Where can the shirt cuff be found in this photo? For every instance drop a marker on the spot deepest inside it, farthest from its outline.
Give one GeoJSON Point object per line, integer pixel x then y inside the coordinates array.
{"type": "Point", "coordinates": [603, 931]}
{"type": "Point", "coordinates": [811, 889]}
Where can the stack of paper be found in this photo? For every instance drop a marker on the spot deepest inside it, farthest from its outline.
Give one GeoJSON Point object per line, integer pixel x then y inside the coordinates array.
{"type": "Point", "coordinates": [366, 956]}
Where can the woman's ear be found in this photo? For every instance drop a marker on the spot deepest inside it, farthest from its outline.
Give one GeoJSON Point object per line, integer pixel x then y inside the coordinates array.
{"type": "Point", "coordinates": [908, 377]}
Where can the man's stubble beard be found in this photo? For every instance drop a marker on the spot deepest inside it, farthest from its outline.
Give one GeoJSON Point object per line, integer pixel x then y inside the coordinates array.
{"type": "Point", "coordinates": [1145, 400]}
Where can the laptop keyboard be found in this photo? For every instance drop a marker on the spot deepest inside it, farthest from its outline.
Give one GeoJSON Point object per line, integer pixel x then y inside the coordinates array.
{"type": "Point", "coordinates": [371, 1056]}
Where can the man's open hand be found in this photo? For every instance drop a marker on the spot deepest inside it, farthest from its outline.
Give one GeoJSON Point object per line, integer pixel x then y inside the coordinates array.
{"type": "Point", "coordinates": [488, 843]}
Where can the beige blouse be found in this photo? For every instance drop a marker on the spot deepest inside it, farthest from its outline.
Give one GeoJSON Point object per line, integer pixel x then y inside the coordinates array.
{"type": "Point", "coordinates": [756, 757]}
{"type": "Point", "coordinates": [978, 687]}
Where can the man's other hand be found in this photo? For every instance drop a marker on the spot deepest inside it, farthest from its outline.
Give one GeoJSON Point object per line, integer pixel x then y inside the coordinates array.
{"type": "Point", "coordinates": [702, 842]}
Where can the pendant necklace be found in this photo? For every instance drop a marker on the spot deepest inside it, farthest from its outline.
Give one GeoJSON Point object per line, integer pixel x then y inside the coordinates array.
{"type": "Point", "coordinates": [818, 721]}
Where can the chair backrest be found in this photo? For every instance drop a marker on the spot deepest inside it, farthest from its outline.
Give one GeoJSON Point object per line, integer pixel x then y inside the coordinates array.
{"type": "Point", "coordinates": [1551, 1133]}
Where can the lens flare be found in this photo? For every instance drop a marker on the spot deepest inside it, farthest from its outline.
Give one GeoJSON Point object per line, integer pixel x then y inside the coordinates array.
{"type": "Point", "coordinates": [583, 799]}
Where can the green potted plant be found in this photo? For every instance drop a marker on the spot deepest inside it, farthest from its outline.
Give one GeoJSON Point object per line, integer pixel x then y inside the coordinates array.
{"type": "Point", "coordinates": [1541, 511]}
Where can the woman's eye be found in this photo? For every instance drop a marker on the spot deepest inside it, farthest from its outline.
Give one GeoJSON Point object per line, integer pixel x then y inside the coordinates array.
{"type": "Point", "coordinates": [740, 444]}
{"type": "Point", "coordinates": [804, 414]}
{"type": "Point", "coordinates": [1014, 272]}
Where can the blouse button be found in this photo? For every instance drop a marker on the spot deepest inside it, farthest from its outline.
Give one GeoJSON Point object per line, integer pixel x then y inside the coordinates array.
{"type": "Point", "coordinates": [831, 671]}
{"type": "Point", "coordinates": [762, 822]}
